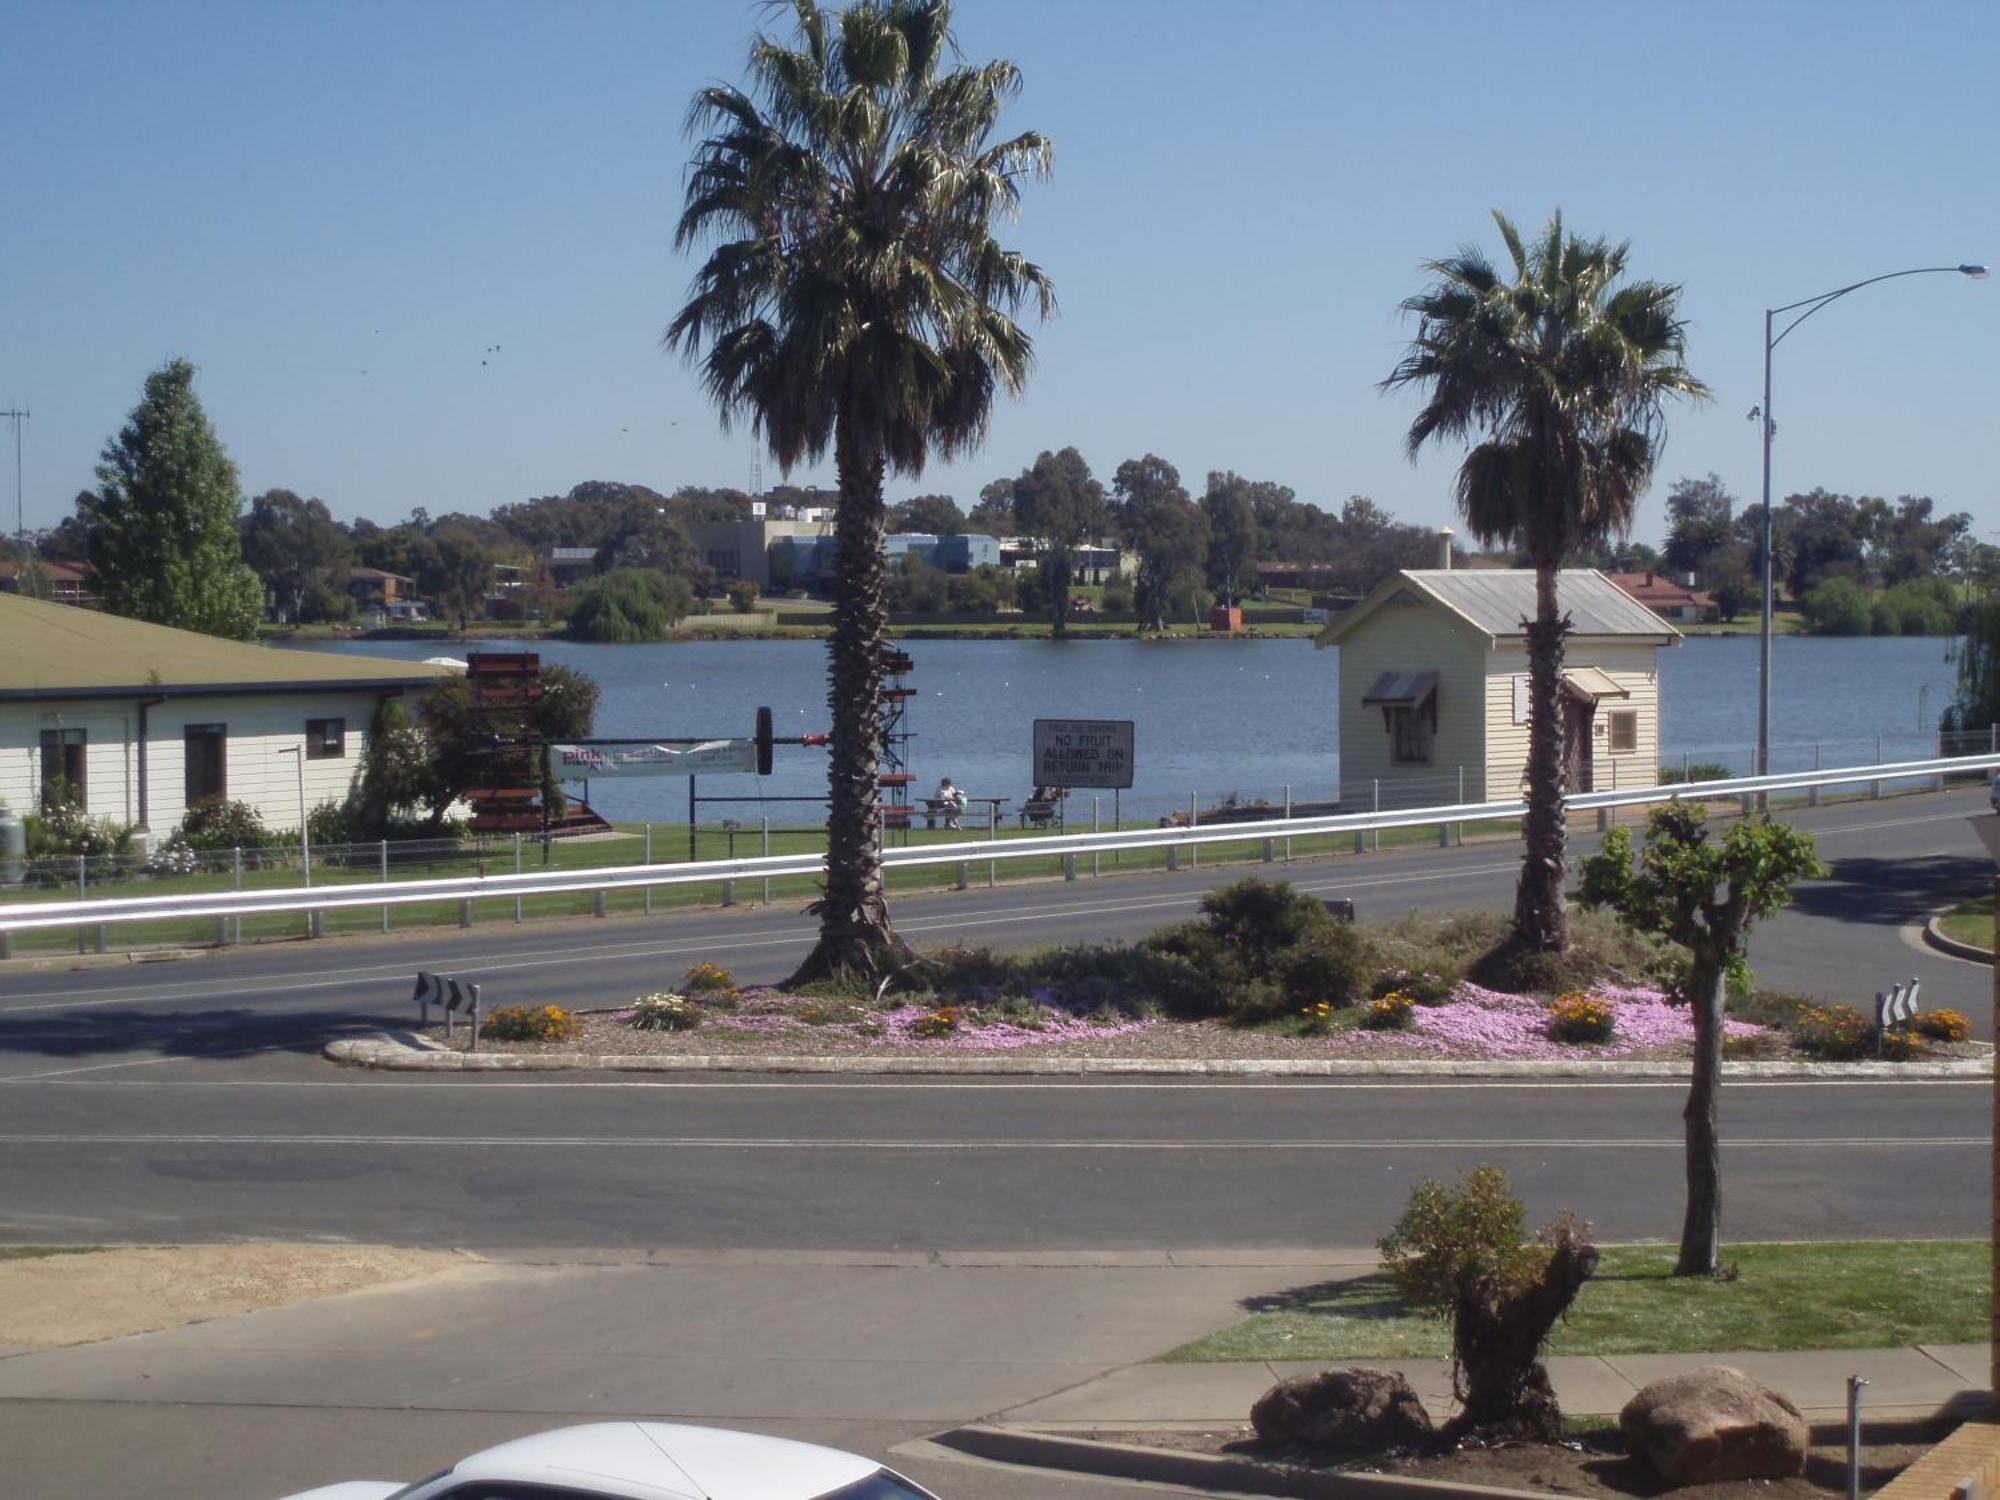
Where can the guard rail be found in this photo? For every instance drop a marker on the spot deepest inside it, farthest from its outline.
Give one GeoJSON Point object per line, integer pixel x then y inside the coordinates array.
{"type": "Point", "coordinates": [100, 912]}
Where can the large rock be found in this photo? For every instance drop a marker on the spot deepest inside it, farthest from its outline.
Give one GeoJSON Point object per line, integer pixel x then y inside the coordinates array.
{"type": "Point", "coordinates": [1341, 1411]}
{"type": "Point", "coordinates": [1713, 1425]}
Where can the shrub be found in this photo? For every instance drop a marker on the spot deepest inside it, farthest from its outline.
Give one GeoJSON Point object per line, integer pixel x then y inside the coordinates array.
{"type": "Point", "coordinates": [1463, 1256]}
{"type": "Point", "coordinates": [1577, 1017]}
{"type": "Point", "coordinates": [664, 1011]}
{"type": "Point", "coordinates": [63, 828]}
{"type": "Point", "coordinates": [1257, 919]}
{"type": "Point", "coordinates": [1263, 948]}
{"type": "Point", "coordinates": [218, 823]}
{"type": "Point", "coordinates": [1425, 986]}
{"type": "Point", "coordinates": [1942, 1025]}
{"type": "Point", "coordinates": [1833, 1033]}
{"type": "Point", "coordinates": [530, 1023]}
{"type": "Point", "coordinates": [629, 605]}
{"type": "Point", "coordinates": [1393, 1012]}
{"type": "Point", "coordinates": [1601, 950]}
{"type": "Point", "coordinates": [173, 858]}
{"type": "Point", "coordinates": [831, 1013]}
{"type": "Point", "coordinates": [1326, 964]}
{"type": "Point", "coordinates": [711, 982]}
{"type": "Point", "coordinates": [934, 1024]}
{"type": "Point", "coordinates": [742, 595]}
{"type": "Point", "coordinates": [1699, 771]}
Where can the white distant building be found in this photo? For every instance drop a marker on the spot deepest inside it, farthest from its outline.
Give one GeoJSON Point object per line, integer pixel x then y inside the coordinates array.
{"type": "Point", "coordinates": [142, 721]}
{"type": "Point", "coordinates": [1434, 686]}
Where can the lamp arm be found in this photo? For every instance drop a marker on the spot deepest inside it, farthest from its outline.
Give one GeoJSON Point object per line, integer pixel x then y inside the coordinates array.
{"type": "Point", "coordinates": [1814, 304]}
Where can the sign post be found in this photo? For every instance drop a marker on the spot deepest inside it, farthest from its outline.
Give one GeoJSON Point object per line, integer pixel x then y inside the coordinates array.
{"type": "Point", "coordinates": [1085, 752]}
{"type": "Point", "coordinates": [1988, 829]}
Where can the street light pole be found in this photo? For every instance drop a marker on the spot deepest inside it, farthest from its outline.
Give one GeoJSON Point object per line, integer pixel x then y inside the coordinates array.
{"type": "Point", "coordinates": [1810, 305]}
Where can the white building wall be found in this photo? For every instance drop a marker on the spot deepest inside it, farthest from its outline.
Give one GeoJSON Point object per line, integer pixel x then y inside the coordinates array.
{"type": "Point", "coordinates": [262, 728]}
{"type": "Point", "coordinates": [1634, 665]}
{"type": "Point", "coordinates": [1412, 638]}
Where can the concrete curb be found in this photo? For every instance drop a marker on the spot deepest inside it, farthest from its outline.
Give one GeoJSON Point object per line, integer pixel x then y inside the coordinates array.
{"type": "Point", "coordinates": [409, 1054]}
{"type": "Point", "coordinates": [1198, 1471]}
{"type": "Point", "coordinates": [1944, 943]}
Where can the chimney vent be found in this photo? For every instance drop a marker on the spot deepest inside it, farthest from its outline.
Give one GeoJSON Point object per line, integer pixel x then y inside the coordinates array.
{"type": "Point", "coordinates": [1444, 548]}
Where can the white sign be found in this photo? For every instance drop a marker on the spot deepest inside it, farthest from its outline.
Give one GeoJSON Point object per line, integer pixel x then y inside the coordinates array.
{"type": "Point", "coordinates": [655, 760]}
{"type": "Point", "coordinates": [1520, 699]}
{"type": "Point", "coordinates": [1083, 752]}
{"type": "Point", "coordinates": [1312, 616]}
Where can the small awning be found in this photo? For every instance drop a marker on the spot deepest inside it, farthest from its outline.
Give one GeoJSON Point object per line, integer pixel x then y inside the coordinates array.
{"type": "Point", "coordinates": [1401, 689]}
{"type": "Point", "coordinates": [1589, 684]}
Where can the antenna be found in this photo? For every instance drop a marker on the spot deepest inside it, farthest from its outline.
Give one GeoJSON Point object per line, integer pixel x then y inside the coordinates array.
{"type": "Point", "coordinates": [756, 476]}
{"type": "Point", "coordinates": [17, 417]}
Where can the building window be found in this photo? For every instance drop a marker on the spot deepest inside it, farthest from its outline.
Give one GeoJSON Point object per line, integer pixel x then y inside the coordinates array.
{"type": "Point", "coordinates": [1410, 735]}
{"type": "Point", "coordinates": [1624, 730]}
{"type": "Point", "coordinates": [64, 767]}
{"type": "Point", "coordinates": [326, 739]}
{"type": "Point", "coordinates": [207, 762]}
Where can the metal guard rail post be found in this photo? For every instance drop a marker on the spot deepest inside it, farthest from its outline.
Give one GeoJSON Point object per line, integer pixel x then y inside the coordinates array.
{"type": "Point", "coordinates": [40, 915]}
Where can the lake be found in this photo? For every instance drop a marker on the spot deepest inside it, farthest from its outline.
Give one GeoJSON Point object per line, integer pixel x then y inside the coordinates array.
{"type": "Point", "coordinates": [1213, 718]}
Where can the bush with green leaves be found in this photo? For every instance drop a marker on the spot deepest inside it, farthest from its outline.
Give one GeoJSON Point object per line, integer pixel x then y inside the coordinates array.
{"type": "Point", "coordinates": [1463, 1255]}
{"type": "Point", "coordinates": [1267, 948]}
{"type": "Point", "coordinates": [1698, 771]}
{"type": "Point", "coordinates": [220, 823]}
{"type": "Point", "coordinates": [629, 605]}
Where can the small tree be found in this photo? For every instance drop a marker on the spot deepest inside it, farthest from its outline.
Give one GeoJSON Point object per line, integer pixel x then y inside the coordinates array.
{"type": "Point", "coordinates": [1464, 1255]}
{"type": "Point", "coordinates": [1703, 894]}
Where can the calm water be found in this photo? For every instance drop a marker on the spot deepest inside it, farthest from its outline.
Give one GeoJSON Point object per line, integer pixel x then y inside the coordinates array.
{"type": "Point", "coordinates": [1218, 717]}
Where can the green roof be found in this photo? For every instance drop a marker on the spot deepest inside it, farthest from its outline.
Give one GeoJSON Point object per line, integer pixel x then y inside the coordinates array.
{"type": "Point", "coordinates": [60, 651]}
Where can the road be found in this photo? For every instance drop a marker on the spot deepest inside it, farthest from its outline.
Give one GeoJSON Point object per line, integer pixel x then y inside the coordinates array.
{"type": "Point", "coordinates": [856, 1261]}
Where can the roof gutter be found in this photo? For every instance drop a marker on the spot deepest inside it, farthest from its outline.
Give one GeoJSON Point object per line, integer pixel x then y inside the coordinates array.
{"type": "Point", "coordinates": [145, 705]}
{"type": "Point", "coordinates": [221, 689]}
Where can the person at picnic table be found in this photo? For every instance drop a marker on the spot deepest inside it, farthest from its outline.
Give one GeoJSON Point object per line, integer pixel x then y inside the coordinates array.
{"type": "Point", "coordinates": [951, 801]}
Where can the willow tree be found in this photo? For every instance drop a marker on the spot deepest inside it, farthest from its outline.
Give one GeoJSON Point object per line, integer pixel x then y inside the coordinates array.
{"type": "Point", "coordinates": [855, 299]}
{"type": "Point", "coordinates": [1558, 376]}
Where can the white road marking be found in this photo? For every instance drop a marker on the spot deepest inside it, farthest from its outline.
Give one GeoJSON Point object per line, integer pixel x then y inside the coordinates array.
{"type": "Point", "coordinates": [1098, 1084]}
{"type": "Point", "coordinates": [140, 1062]}
{"type": "Point", "coordinates": [823, 1143]}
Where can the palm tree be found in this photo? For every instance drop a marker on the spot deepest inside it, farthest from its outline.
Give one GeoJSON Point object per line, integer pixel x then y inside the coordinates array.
{"type": "Point", "coordinates": [1560, 378]}
{"type": "Point", "coordinates": [855, 298]}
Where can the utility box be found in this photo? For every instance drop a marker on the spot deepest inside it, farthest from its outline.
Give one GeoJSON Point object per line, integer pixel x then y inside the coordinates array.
{"type": "Point", "coordinates": [1226, 618]}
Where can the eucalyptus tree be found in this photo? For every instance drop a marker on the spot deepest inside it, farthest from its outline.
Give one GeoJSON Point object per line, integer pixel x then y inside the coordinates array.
{"type": "Point", "coordinates": [1061, 506]}
{"type": "Point", "coordinates": [855, 298]}
{"type": "Point", "coordinates": [1558, 376]}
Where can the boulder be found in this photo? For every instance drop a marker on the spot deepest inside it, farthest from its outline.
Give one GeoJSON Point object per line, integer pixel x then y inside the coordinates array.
{"type": "Point", "coordinates": [1714, 1425]}
{"type": "Point", "coordinates": [1341, 1411]}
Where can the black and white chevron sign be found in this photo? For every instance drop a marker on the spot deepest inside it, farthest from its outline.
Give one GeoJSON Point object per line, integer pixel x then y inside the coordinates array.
{"type": "Point", "coordinates": [442, 989]}
{"type": "Point", "coordinates": [1895, 1007]}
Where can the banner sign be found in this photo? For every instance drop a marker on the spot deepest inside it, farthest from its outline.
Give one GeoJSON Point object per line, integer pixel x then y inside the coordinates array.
{"type": "Point", "coordinates": [1083, 752]}
{"type": "Point", "coordinates": [655, 760]}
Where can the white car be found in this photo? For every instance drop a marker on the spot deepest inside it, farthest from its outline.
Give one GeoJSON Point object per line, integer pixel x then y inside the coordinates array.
{"type": "Point", "coordinates": [645, 1461]}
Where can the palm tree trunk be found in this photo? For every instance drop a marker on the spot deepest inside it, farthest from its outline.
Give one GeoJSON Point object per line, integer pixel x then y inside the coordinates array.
{"type": "Point", "coordinates": [1539, 922]}
{"type": "Point", "coordinates": [854, 932]}
{"type": "Point", "coordinates": [1701, 1229]}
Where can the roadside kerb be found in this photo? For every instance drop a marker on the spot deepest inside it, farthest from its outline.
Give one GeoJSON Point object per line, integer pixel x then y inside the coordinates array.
{"type": "Point", "coordinates": [408, 1053]}
{"type": "Point", "coordinates": [1944, 942]}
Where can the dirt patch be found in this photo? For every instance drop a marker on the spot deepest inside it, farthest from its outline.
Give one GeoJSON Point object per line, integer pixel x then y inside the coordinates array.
{"type": "Point", "coordinates": [1593, 1465]}
{"type": "Point", "coordinates": [53, 1301]}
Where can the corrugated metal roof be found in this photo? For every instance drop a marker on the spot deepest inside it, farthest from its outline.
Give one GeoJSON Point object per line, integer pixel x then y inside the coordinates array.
{"type": "Point", "coordinates": [1498, 601]}
{"type": "Point", "coordinates": [1593, 683]}
{"type": "Point", "coordinates": [56, 650]}
{"type": "Point", "coordinates": [1401, 689]}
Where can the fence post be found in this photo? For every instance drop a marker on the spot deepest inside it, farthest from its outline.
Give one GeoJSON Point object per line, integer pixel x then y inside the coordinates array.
{"type": "Point", "coordinates": [1812, 797]}
{"type": "Point", "coordinates": [964, 874]}
{"type": "Point", "coordinates": [992, 833]}
{"type": "Point", "coordinates": [1288, 818]}
{"type": "Point", "coordinates": [764, 829]}
{"type": "Point", "coordinates": [1194, 821]}
{"type": "Point", "coordinates": [1458, 829]}
{"type": "Point", "coordinates": [1096, 827]}
{"type": "Point", "coordinates": [236, 923]}
{"type": "Point", "coordinates": [382, 868]}
{"type": "Point", "coordinates": [517, 870]}
{"type": "Point", "coordinates": [475, 1008]}
{"type": "Point", "coordinates": [1375, 834]}
{"type": "Point", "coordinates": [1875, 787]}
{"type": "Point", "coordinates": [1069, 867]}
{"type": "Point", "coordinates": [82, 893]}
{"type": "Point", "coordinates": [649, 860]}
{"type": "Point", "coordinates": [597, 902]}
{"type": "Point", "coordinates": [464, 916]}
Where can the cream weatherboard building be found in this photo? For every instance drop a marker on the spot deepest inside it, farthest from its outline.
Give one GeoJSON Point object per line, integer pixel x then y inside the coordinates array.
{"type": "Point", "coordinates": [141, 720]}
{"type": "Point", "coordinates": [1434, 686]}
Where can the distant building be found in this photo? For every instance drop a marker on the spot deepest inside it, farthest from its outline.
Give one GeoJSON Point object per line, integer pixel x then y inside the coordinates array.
{"type": "Point", "coordinates": [1093, 562]}
{"type": "Point", "coordinates": [372, 588]}
{"type": "Point", "coordinates": [1434, 686]}
{"type": "Point", "coordinates": [568, 565]}
{"type": "Point", "coordinates": [1665, 598]}
{"type": "Point", "coordinates": [742, 549]}
{"type": "Point", "coordinates": [69, 583]}
{"type": "Point", "coordinates": [143, 721]}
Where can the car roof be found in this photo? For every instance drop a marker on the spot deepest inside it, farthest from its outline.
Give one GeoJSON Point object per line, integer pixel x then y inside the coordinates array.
{"type": "Point", "coordinates": [659, 1460]}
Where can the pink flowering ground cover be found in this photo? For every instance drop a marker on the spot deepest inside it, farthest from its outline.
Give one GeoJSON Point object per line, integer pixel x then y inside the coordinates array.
{"type": "Point", "coordinates": [770, 1012]}
{"type": "Point", "coordinates": [1478, 1022]}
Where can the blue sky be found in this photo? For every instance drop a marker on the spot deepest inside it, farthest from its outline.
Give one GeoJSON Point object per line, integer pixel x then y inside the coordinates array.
{"type": "Point", "coordinates": [335, 209]}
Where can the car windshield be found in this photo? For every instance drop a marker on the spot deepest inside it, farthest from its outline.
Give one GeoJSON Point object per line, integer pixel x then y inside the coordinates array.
{"type": "Point", "coordinates": [410, 1489]}
{"type": "Point", "coordinates": [881, 1485]}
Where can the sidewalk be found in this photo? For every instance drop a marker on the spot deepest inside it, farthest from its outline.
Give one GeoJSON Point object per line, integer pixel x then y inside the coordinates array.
{"type": "Point", "coordinates": [1903, 1385]}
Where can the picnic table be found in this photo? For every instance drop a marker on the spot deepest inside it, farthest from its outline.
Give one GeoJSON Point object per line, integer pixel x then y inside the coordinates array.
{"type": "Point", "coordinates": [939, 808]}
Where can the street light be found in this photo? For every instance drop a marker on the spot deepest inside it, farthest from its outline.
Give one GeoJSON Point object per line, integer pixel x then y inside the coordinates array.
{"type": "Point", "coordinates": [305, 832]}
{"type": "Point", "coordinates": [1810, 305]}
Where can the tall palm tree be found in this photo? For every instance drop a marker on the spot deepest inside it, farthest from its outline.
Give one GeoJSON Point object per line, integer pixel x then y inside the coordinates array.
{"type": "Point", "coordinates": [855, 298]}
{"type": "Point", "coordinates": [1559, 377]}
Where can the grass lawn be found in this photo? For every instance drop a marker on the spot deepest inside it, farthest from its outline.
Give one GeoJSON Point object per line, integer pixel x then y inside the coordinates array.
{"type": "Point", "coordinates": [1822, 1296]}
{"type": "Point", "coordinates": [43, 1252]}
{"type": "Point", "coordinates": [1970, 922]}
